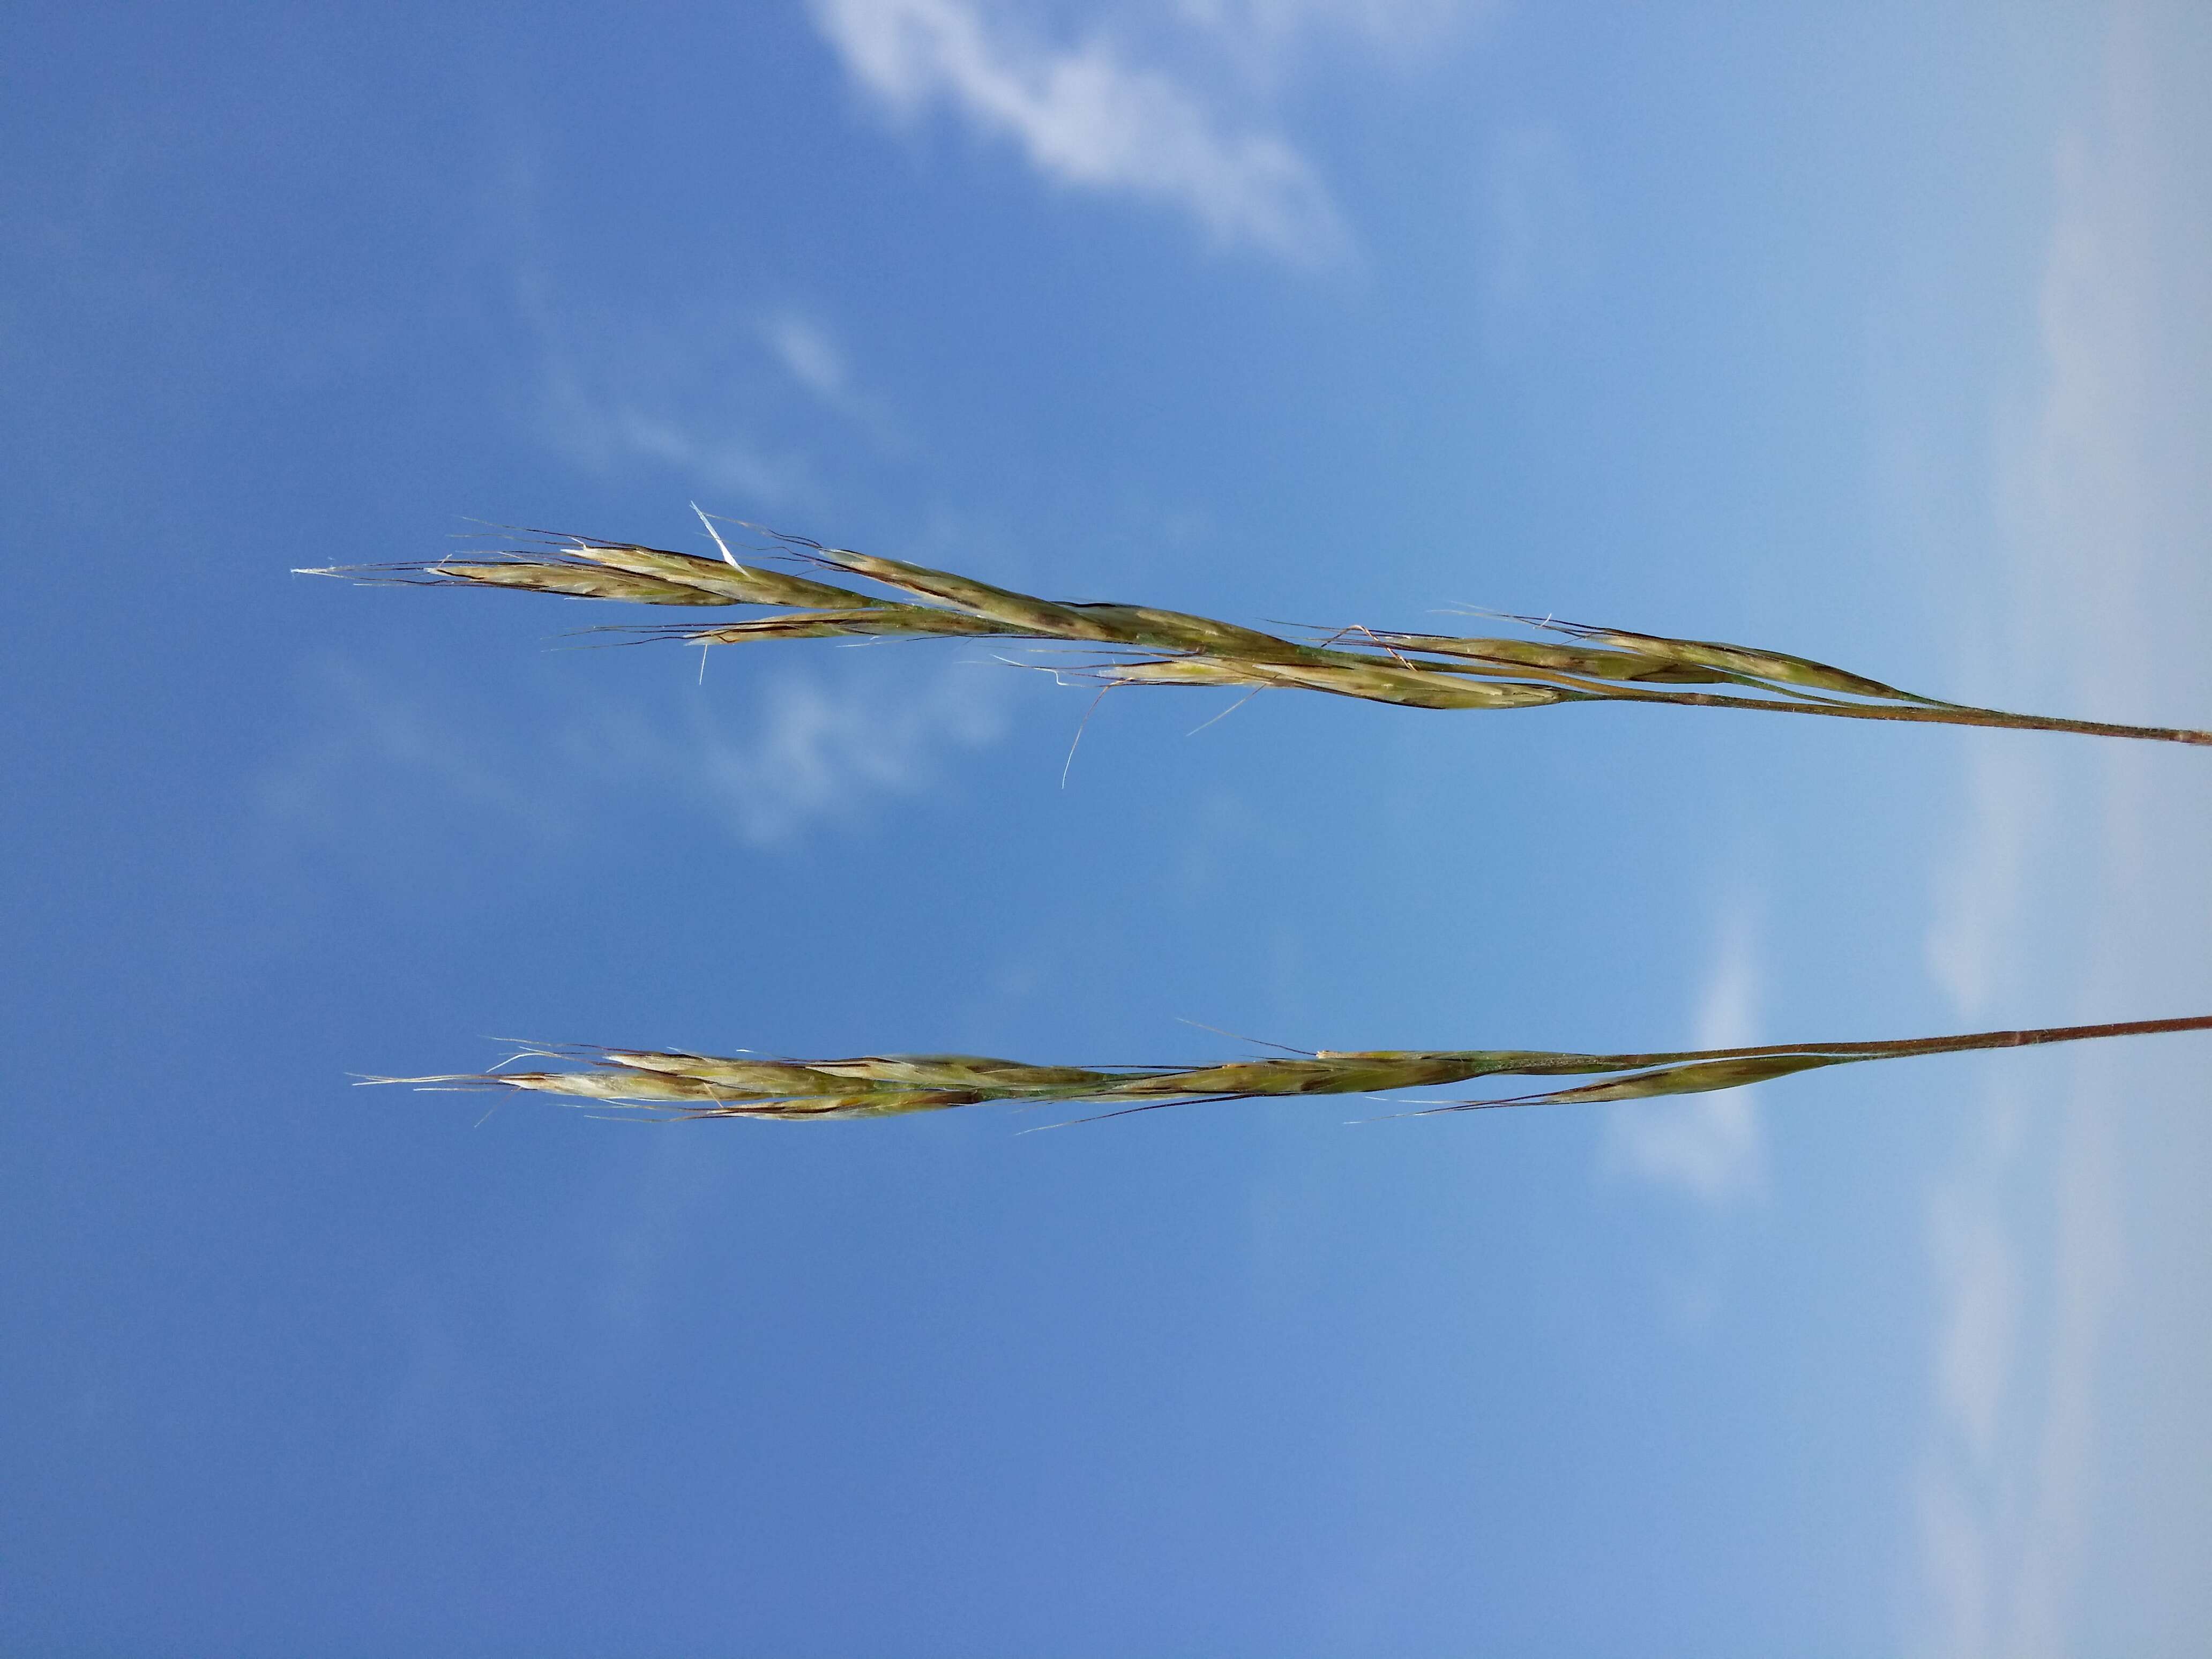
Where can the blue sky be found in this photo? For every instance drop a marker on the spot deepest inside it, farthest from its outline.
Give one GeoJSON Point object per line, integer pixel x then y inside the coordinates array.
{"type": "Point", "coordinates": [1884, 338]}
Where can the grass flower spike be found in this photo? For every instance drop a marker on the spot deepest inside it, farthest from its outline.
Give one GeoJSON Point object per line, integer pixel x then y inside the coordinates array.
{"type": "Point", "coordinates": [670, 1084]}
{"type": "Point", "coordinates": [1118, 644]}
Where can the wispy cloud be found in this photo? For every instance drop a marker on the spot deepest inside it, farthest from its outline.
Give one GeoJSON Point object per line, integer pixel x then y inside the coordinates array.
{"type": "Point", "coordinates": [1264, 38]}
{"type": "Point", "coordinates": [813, 359]}
{"type": "Point", "coordinates": [376, 739]}
{"type": "Point", "coordinates": [1387, 23]}
{"type": "Point", "coordinates": [809, 351]}
{"type": "Point", "coordinates": [791, 752]}
{"type": "Point", "coordinates": [2024, 1239]}
{"type": "Point", "coordinates": [2102, 491]}
{"type": "Point", "coordinates": [812, 750]}
{"type": "Point", "coordinates": [1707, 1147]}
{"type": "Point", "coordinates": [1976, 895]}
{"type": "Point", "coordinates": [616, 395]}
{"type": "Point", "coordinates": [1979, 1276]}
{"type": "Point", "coordinates": [1086, 117]}
{"type": "Point", "coordinates": [737, 401]}
{"type": "Point", "coordinates": [715, 455]}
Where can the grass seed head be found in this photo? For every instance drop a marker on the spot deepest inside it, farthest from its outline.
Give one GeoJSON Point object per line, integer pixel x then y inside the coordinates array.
{"type": "Point", "coordinates": [682, 1086]}
{"type": "Point", "coordinates": [1140, 645]}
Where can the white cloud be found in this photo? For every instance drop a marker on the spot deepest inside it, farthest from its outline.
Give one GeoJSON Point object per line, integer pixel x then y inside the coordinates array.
{"type": "Point", "coordinates": [805, 349]}
{"type": "Point", "coordinates": [1708, 1147]}
{"type": "Point", "coordinates": [614, 397]}
{"type": "Point", "coordinates": [2024, 1237]}
{"type": "Point", "coordinates": [815, 359]}
{"type": "Point", "coordinates": [2085, 1277]}
{"type": "Point", "coordinates": [696, 395]}
{"type": "Point", "coordinates": [1969, 948]}
{"type": "Point", "coordinates": [1385, 22]}
{"type": "Point", "coordinates": [1978, 1279]}
{"type": "Point", "coordinates": [1085, 117]}
{"type": "Point", "coordinates": [372, 732]}
{"type": "Point", "coordinates": [769, 760]}
{"type": "Point", "coordinates": [1954, 1550]}
{"type": "Point", "coordinates": [2044, 1247]}
{"type": "Point", "coordinates": [811, 750]}
{"type": "Point", "coordinates": [1266, 38]}
{"type": "Point", "coordinates": [702, 451]}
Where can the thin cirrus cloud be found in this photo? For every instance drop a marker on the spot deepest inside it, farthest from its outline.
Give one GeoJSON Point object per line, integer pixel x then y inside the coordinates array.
{"type": "Point", "coordinates": [809, 355]}
{"type": "Point", "coordinates": [2059, 1229]}
{"type": "Point", "coordinates": [769, 758]}
{"type": "Point", "coordinates": [1390, 24]}
{"type": "Point", "coordinates": [815, 751]}
{"type": "Point", "coordinates": [1087, 118]}
{"type": "Point", "coordinates": [614, 396]}
{"type": "Point", "coordinates": [1706, 1147]}
{"type": "Point", "coordinates": [723, 400]}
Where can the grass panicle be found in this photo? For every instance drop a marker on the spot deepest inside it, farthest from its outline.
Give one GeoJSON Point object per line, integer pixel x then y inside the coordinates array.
{"type": "Point", "coordinates": [1139, 645]}
{"type": "Point", "coordinates": [670, 1085]}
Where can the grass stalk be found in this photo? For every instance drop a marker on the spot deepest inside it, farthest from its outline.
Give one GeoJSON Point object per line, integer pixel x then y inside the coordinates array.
{"type": "Point", "coordinates": [1139, 645]}
{"type": "Point", "coordinates": [674, 1086]}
